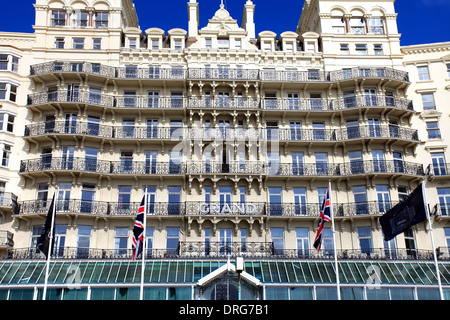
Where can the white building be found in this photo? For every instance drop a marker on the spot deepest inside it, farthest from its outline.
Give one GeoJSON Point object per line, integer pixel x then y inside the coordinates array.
{"type": "Point", "coordinates": [235, 136]}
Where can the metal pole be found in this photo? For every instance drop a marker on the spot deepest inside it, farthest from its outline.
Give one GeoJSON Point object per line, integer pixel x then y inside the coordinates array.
{"type": "Point", "coordinates": [438, 274]}
{"type": "Point", "coordinates": [338, 284]}
{"type": "Point", "coordinates": [49, 253]}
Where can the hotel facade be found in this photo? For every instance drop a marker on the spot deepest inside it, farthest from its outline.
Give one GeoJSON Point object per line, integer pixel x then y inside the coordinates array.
{"type": "Point", "coordinates": [235, 137]}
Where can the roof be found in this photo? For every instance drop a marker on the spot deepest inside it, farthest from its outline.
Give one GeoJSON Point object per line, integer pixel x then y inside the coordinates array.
{"type": "Point", "coordinates": [178, 272]}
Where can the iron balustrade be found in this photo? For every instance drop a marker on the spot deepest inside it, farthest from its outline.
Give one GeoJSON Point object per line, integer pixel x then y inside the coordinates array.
{"type": "Point", "coordinates": [225, 249]}
{"type": "Point", "coordinates": [207, 133]}
{"type": "Point", "coordinates": [47, 163]}
{"type": "Point", "coordinates": [218, 102]}
{"type": "Point", "coordinates": [101, 208]}
{"type": "Point", "coordinates": [272, 168]}
{"type": "Point", "coordinates": [204, 209]}
{"type": "Point", "coordinates": [224, 73]}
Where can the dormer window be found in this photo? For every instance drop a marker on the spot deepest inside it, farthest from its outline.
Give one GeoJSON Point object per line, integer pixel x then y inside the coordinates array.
{"type": "Point", "coordinates": [178, 44]}
{"type": "Point", "coordinates": [223, 43]}
{"type": "Point", "coordinates": [133, 43]}
{"type": "Point", "coordinates": [238, 44]}
{"type": "Point", "coordinates": [208, 43]}
{"type": "Point", "coordinates": [338, 25]}
{"type": "Point", "coordinates": [267, 45]}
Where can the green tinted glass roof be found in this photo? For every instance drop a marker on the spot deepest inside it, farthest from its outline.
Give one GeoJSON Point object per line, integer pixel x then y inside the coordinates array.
{"type": "Point", "coordinates": [189, 272]}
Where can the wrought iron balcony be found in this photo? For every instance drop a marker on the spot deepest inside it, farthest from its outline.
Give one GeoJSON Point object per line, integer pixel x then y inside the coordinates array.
{"type": "Point", "coordinates": [205, 209]}
{"type": "Point", "coordinates": [244, 167]}
{"type": "Point", "coordinates": [176, 73]}
{"type": "Point", "coordinates": [225, 249]}
{"type": "Point", "coordinates": [101, 208]}
{"type": "Point", "coordinates": [224, 73]}
{"type": "Point", "coordinates": [46, 163]}
{"type": "Point", "coordinates": [223, 103]}
{"type": "Point", "coordinates": [104, 131]}
{"type": "Point", "coordinates": [336, 104]}
{"type": "Point", "coordinates": [369, 72]}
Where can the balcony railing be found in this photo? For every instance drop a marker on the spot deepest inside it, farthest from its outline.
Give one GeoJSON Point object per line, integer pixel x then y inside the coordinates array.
{"type": "Point", "coordinates": [226, 102]}
{"type": "Point", "coordinates": [224, 249]}
{"type": "Point", "coordinates": [273, 168]}
{"type": "Point", "coordinates": [203, 133]}
{"type": "Point", "coordinates": [156, 72]}
{"type": "Point", "coordinates": [101, 208]}
{"type": "Point", "coordinates": [204, 209]}
{"type": "Point", "coordinates": [100, 166]}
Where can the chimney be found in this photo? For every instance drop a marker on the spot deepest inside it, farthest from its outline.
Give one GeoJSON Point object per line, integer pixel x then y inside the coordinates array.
{"type": "Point", "coordinates": [193, 18]}
{"type": "Point", "coordinates": [247, 20]}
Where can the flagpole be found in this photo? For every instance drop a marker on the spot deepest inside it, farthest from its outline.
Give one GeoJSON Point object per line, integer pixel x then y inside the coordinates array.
{"type": "Point", "coordinates": [141, 296]}
{"type": "Point", "coordinates": [49, 253]}
{"type": "Point", "coordinates": [338, 284]}
{"type": "Point", "coordinates": [438, 274]}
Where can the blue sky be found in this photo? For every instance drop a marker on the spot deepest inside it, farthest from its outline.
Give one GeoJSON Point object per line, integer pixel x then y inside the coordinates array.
{"type": "Point", "coordinates": [420, 21]}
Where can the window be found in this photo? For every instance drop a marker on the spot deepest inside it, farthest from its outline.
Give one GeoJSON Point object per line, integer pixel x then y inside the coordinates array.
{"type": "Point", "coordinates": [345, 49]}
{"type": "Point", "coordinates": [9, 62]}
{"type": "Point", "coordinates": [338, 25]}
{"type": "Point", "coordinates": [7, 122]}
{"type": "Point", "coordinates": [376, 25]}
{"type": "Point", "coordinates": [132, 43]}
{"type": "Point", "coordinates": [101, 19]}
{"type": "Point", "coordinates": [410, 244]}
{"type": "Point", "coordinates": [6, 154]}
{"type": "Point", "coordinates": [238, 44]}
{"type": "Point", "coordinates": [78, 43]}
{"type": "Point", "coordinates": [384, 203]}
{"type": "Point", "coordinates": [223, 43]}
{"type": "Point", "coordinates": [357, 25]}
{"type": "Point", "coordinates": [84, 241]}
{"type": "Point", "coordinates": [124, 199]}
{"type": "Point", "coordinates": [8, 91]}
{"type": "Point", "coordinates": [428, 101]}
{"type": "Point", "coordinates": [121, 241]}
{"type": "Point", "coordinates": [327, 243]}
{"type": "Point", "coordinates": [356, 162]}
{"type": "Point", "coordinates": [97, 44]}
{"type": "Point", "coordinates": [448, 70]}
{"type": "Point", "coordinates": [59, 43]}
{"type": "Point", "coordinates": [402, 192]}
{"type": "Point", "coordinates": [275, 203]}
{"type": "Point", "coordinates": [424, 73]}
{"type": "Point", "coordinates": [439, 164]}
{"type": "Point", "coordinates": [178, 44]}
{"type": "Point", "coordinates": [433, 130]}
{"type": "Point", "coordinates": [58, 18]}
{"type": "Point", "coordinates": [365, 240]}
{"type": "Point", "coordinates": [444, 200]}
{"type": "Point", "coordinates": [360, 196]}
{"type": "Point", "coordinates": [302, 242]}
{"type": "Point", "coordinates": [378, 49]}
{"type": "Point", "coordinates": [319, 130]}
{"type": "Point", "coordinates": [155, 44]}
{"type": "Point", "coordinates": [172, 239]}
{"type": "Point", "coordinates": [361, 49]}
{"type": "Point", "coordinates": [300, 201]}
{"type": "Point", "coordinates": [174, 200]}
{"type": "Point", "coordinates": [321, 163]}
{"type": "Point", "coordinates": [128, 128]}
{"type": "Point", "coordinates": [277, 235]}
{"type": "Point", "coordinates": [80, 18]}
{"type": "Point", "coordinates": [378, 161]}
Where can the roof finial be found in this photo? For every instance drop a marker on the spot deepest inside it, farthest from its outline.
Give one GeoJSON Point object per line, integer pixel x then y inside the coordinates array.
{"type": "Point", "coordinates": [221, 4]}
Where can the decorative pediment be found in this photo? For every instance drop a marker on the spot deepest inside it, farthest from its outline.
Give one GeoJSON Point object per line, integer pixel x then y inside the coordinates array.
{"type": "Point", "coordinates": [222, 23]}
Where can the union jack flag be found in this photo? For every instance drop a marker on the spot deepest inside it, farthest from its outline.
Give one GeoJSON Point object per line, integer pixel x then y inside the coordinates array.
{"type": "Point", "coordinates": [138, 231]}
{"type": "Point", "coordinates": [325, 216]}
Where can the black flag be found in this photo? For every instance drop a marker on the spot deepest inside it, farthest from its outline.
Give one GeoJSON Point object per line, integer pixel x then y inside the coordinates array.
{"type": "Point", "coordinates": [43, 243]}
{"type": "Point", "coordinates": [409, 212]}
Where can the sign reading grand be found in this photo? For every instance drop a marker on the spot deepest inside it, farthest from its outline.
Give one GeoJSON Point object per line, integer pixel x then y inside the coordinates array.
{"type": "Point", "coordinates": [227, 208]}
